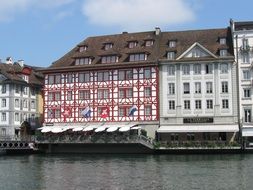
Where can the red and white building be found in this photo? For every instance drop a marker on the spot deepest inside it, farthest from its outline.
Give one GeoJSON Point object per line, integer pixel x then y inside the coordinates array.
{"type": "Point", "coordinates": [105, 80]}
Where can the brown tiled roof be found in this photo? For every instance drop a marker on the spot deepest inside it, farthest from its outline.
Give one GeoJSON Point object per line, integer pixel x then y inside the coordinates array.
{"type": "Point", "coordinates": [247, 25]}
{"type": "Point", "coordinates": [184, 39]}
{"type": "Point", "coordinates": [12, 72]}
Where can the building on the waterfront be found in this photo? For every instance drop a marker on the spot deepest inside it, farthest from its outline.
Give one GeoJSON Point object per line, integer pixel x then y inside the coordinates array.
{"type": "Point", "coordinates": [107, 81]}
{"type": "Point", "coordinates": [243, 45]}
{"type": "Point", "coordinates": [20, 97]}
{"type": "Point", "coordinates": [198, 89]}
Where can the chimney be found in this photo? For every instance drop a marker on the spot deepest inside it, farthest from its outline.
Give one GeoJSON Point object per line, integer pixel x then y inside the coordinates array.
{"type": "Point", "coordinates": [21, 63]}
{"type": "Point", "coordinates": [157, 31]}
{"type": "Point", "coordinates": [9, 60]}
{"type": "Point", "coordinates": [124, 32]}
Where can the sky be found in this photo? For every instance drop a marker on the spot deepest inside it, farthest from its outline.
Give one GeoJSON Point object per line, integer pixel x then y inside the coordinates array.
{"type": "Point", "coordinates": [42, 31]}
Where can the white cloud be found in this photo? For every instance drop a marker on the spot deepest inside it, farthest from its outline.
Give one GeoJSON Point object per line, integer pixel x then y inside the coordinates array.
{"type": "Point", "coordinates": [10, 8]}
{"type": "Point", "coordinates": [138, 14]}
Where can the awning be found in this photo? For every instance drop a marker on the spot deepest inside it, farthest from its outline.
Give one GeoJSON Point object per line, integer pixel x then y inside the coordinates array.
{"type": "Point", "coordinates": [77, 129]}
{"type": "Point", "coordinates": [100, 129]}
{"type": "Point", "coordinates": [89, 128]}
{"type": "Point", "coordinates": [135, 128]}
{"type": "Point", "coordinates": [112, 129]}
{"type": "Point", "coordinates": [198, 128]}
{"type": "Point", "coordinates": [247, 131]}
{"type": "Point", "coordinates": [46, 129]}
{"type": "Point", "coordinates": [124, 129]}
{"type": "Point", "coordinates": [57, 130]}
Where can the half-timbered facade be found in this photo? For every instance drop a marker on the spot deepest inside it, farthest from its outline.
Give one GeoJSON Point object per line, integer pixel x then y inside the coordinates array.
{"type": "Point", "coordinates": [105, 80]}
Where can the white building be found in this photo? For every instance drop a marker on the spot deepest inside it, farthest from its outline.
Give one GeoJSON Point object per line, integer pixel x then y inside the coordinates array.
{"type": "Point", "coordinates": [198, 91]}
{"type": "Point", "coordinates": [19, 96]}
{"type": "Point", "coordinates": [243, 45]}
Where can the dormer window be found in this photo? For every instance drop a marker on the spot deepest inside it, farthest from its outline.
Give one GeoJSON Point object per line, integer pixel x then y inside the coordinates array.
{"type": "Point", "coordinates": [83, 61]}
{"type": "Point", "coordinates": [149, 43]}
{"type": "Point", "coordinates": [108, 46]}
{"type": "Point", "coordinates": [25, 78]}
{"type": "Point", "coordinates": [110, 59]}
{"type": "Point", "coordinates": [222, 41]}
{"type": "Point", "coordinates": [172, 43]}
{"type": "Point", "coordinates": [83, 48]}
{"type": "Point", "coordinates": [138, 57]}
{"type": "Point", "coordinates": [132, 44]}
{"type": "Point", "coordinates": [223, 52]}
{"type": "Point", "coordinates": [171, 55]}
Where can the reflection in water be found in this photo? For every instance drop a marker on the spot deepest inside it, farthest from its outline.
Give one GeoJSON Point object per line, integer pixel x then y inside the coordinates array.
{"type": "Point", "coordinates": [133, 171]}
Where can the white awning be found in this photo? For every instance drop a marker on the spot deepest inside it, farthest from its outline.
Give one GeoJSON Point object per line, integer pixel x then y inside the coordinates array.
{"type": "Point", "coordinates": [46, 129]}
{"type": "Point", "coordinates": [57, 130]}
{"type": "Point", "coordinates": [112, 129]}
{"type": "Point", "coordinates": [198, 128]}
{"type": "Point", "coordinates": [247, 131]}
{"type": "Point", "coordinates": [77, 129]}
{"type": "Point", "coordinates": [135, 128]}
{"type": "Point", "coordinates": [124, 129]}
{"type": "Point", "coordinates": [100, 129]}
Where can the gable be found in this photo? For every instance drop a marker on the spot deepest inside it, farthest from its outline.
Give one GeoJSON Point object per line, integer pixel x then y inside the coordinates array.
{"type": "Point", "coordinates": [196, 51]}
{"type": "Point", "coordinates": [26, 71]}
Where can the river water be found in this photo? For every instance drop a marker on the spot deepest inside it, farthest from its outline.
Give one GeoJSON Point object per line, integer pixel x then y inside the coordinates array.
{"type": "Point", "coordinates": [76, 172]}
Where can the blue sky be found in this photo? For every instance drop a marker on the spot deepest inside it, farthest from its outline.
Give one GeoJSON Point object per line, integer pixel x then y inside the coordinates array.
{"type": "Point", "coordinates": [40, 32]}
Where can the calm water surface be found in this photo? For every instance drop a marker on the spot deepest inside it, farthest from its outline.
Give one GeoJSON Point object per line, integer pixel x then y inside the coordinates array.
{"type": "Point", "coordinates": [60, 172]}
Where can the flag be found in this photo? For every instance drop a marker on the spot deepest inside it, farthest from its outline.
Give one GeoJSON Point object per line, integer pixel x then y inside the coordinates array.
{"type": "Point", "coordinates": [105, 112]}
{"type": "Point", "coordinates": [67, 112]}
{"type": "Point", "coordinates": [86, 112]}
{"type": "Point", "coordinates": [132, 110]}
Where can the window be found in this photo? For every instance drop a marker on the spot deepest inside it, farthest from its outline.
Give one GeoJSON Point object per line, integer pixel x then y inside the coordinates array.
{"type": "Point", "coordinates": [138, 57]}
{"type": "Point", "coordinates": [16, 117]}
{"type": "Point", "coordinates": [174, 137]}
{"type": "Point", "coordinates": [69, 95]}
{"type": "Point", "coordinates": [32, 104]}
{"type": "Point", "coordinates": [247, 93]}
{"type": "Point", "coordinates": [16, 103]}
{"type": "Point", "coordinates": [186, 69]}
{"type": "Point", "coordinates": [224, 87]}
{"type": "Point", "coordinates": [196, 53]}
{"type": "Point", "coordinates": [246, 75]}
{"type": "Point", "coordinates": [3, 132]}
{"type": "Point", "coordinates": [225, 104]}
{"type": "Point", "coordinates": [83, 61]}
{"type": "Point", "coordinates": [132, 44]}
{"type": "Point", "coordinates": [125, 93]}
{"type": "Point", "coordinates": [57, 79]}
{"type": "Point", "coordinates": [197, 69]}
{"type": "Point", "coordinates": [125, 75]}
{"type": "Point", "coordinates": [187, 104]}
{"type": "Point", "coordinates": [147, 91]}
{"type": "Point", "coordinates": [17, 89]}
{"type": "Point", "coordinates": [103, 94]}
{"type": "Point", "coordinates": [172, 43]}
{"type": "Point", "coordinates": [84, 94]}
{"type": "Point", "coordinates": [54, 79]}
{"type": "Point", "coordinates": [25, 103]}
{"type": "Point", "coordinates": [245, 44]}
{"type": "Point", "coordinates": [223, 52]}
{"type": "Point", "coordinates": [84, 77]}
{"type": "Point", "coordinates": [103, 76]}
{"type": "Point", "coordinates": [171, 88]}
{"type": "Point", "coordinates": [224, 68]}
{"type": "Point", "coordinates": [3, 118]}
{"type": "Point", "coordinates": [222, 41]}
{"type": "Point", "coordinates": [50, 114]}
{"type": "Point", "coordinates": [197, 88]}
{"type": "Point", "coordinates": [32, 91]}
{"type": "Point", "coordinates": [190, 136]}
{"type": "Point", "coordinates": [245, 57]}
{"type": "Point", "coordinates": [209, 68]}
{"type": "Point", "coordinates": [171, 104]}
{"type": "Point", "coordinates": [50, 96]}
{"type": "Point", "coordinates": [206, 136]}
{"type": "Point", "coordinates": [83, 48]}
{"type": "Point", "coordinates": [197, 104]}
{"type": "Point", "coordinates": [3, 88]}
{"type": "Point", "coordinates": [69, 78]}
{"type": "Point", "coordinates": [108, 46]}
{"type": "Point", "coordinates": [147, 73]}
{"type": "Point", "coordinates": [123, 111]}
{"type": "Point", "coordinates": [186, 88]}
{"type": "Point", "coordinates": [171, 55]}
{"type": "Point", "coordinates": [149, 43]}
{"type": "Point", "coordinates": [25, 90]}
{"type": "Point", "coordinates": [57, 113]}
{"type": "Point", "coordinates": [209, 104]}
{"type": "Point", "coordinates": [209, 87]}
{"type": "Point", "coordinates": [147, 110]}
{"type": "Point", "coordinates": [57, 96]}
{"type": "Point", "coordinates": [109, 59]}
{"type": "Point", "coordinates": [3, 103]}
{"type": "Point", "coordinates": [171, 70]}
{"type": "Point", "coordinates": [247, 115]}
